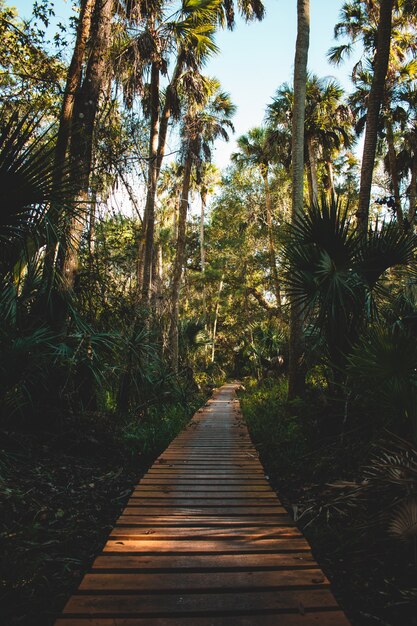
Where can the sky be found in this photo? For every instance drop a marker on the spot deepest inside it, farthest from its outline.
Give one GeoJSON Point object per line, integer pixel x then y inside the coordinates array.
{"type": "Point", "coordinates": [256, 58]}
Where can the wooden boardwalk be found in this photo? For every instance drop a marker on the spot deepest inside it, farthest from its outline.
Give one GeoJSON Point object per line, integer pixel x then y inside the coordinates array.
{"type": "Point", "coordinates": [204, 541]}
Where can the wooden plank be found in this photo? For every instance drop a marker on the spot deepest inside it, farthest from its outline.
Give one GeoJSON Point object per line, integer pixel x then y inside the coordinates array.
{"type": "Point", "coordinates": [219, 546]}
{"type": "Point", "coordinates": [204, 481]}
{"type": "Point", "coordinates": [195, 501]}
{"type": "Point", "coordinates": [228, 510]}
{"type": "Point", "coordinates": [328, 618]}
{"type": "Point", "coordinates": [213, 581]}
{"type": "Point", "coordinates": [208, 492]}
{"type": "Point", "coordinates": [226, 522]}
{"type": "Point", "coordinates": [199, 604]}
{"type": "Point", "coordinates": [255, 533]}
{"type": "Point", "coordinates": [253, 562]}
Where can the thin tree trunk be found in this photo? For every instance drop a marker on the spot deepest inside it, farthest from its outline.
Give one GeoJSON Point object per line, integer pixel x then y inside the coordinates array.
{"type": "Point", "coordinates": [149, 214]}
{"type": "Point", "coordinates": [309, 182]}
{"type": "Point", "coordinates": [167, 110]}
{"type": "Point", "coordinates": [271, 243]}
{"type": "Point", "coordinates": [202, 248]}
{"type": "Point", "coordinates": [157, 142]}
{"type": "Point", "coordinates": [372, 116]}
{"type": "Point", "coordinates": [330, 177]}
{"type": "Point", "coordinates": [312, 161]}
{"type": "Point", "coordinates": [413, 192]}
{"type": "Point", "coordinates": [73, 81]}
{"type": "Point", "coordinates": [159, 283]}
{"type": "Point", "coordinates": [72, 85]}
{"type": "Point", "coordinates": [296, 380]}
{"type": "Point", "coordinates": [85, 111]}
{"type": "Point", "coordinates": [216, 318]}
{"type": "Point", "coordinates": [392, 157]}
{"type": "Point", "coordinates": [179, 263]}
{"type": "Point", "coordinates": [92, 225]}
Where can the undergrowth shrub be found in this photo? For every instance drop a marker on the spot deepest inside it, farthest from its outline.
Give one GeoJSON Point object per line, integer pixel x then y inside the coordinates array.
{"type": "Point", "coordinates": [154, 432]}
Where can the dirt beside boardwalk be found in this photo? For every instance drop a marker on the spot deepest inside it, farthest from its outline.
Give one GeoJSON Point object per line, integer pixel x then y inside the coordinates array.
{"type": "Point", "coordinates": [58, 505]}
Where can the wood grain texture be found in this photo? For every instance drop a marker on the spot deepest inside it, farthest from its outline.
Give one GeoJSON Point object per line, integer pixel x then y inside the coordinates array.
{"type": "Point", "coordinates": [204, 541]}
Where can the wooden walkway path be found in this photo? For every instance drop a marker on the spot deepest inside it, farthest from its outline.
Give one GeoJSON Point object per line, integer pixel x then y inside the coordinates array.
{"type": "Point", "coordinates": [204, 541]}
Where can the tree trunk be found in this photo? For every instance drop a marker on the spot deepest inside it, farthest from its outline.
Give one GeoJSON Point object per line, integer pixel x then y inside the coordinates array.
{"type": "Point", "coordinates": [295, 373]}
{"type": "Point", "coordinates": [64, 129]}
{"type": "Point", "coordinates": [84, 116]}
{"type": "Point", "coordinates": [159, 286]}
{"type": "Point", "coordinates": [271, 243]}
{"type": "Point", "coordinates": [149, 214]}
{"type": "Point", "coordinates": [392, 157]}
{"type": "Point", "coordinates": [202, 247]}
{"type": "Point", "coordinates": [216, 318]}
{"type": "Point", "coordinates": [179, 263]}
{"type": "Point", "coordinates": [372, 116]}
{"type": "Point", "coordinates": [413, 192]}
{"type": "Point", "coordinates": [312, 162]}
{"type": "Point", "coordinates": [330, 177]}
{"type": "Point", "coordinates": [159, 130]}
{"type": "Point", "coordinates": [167, 110]}
{"type": "Point", "coordinates": [73, 81]}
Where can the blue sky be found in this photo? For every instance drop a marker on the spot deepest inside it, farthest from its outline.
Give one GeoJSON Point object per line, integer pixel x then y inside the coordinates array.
{"type": "Point", "coordinates": [256, 58]}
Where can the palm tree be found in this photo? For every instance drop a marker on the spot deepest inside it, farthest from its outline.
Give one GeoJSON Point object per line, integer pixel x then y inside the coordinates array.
{"type": "Point", "coordinates": [358, 20]}
{"type": "Point", "coordinates": [393, 114]}
{"type": "Point", "coordinates": [85, 106]}
{"type": "Point", "coordinates": [295, 372]}
{"type": "Point", "coordinates": [203, 123]}
{"type": "Point", "coordinates": [207, 181]}
{"type": "Point", "coordinates": [190, 31]}
{"type": "Point", "coordinates": [327, 125]}
{"type": "Point", "coordinates": [336, 275]}
{"type": "Point", "coordinates": [255, 150]}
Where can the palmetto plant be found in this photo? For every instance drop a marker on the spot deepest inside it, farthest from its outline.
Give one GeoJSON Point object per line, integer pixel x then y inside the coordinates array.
{"type": "Point", "coordinates": [383, 498]}
{"type": "Point", "coordinates": [383, 362]}
{"type": "Point", "coordinates": [338, 277]}
{"type": "Point", "coordinates": [26, 179]}
{"type": "Point", "coordinates": [28, 183]}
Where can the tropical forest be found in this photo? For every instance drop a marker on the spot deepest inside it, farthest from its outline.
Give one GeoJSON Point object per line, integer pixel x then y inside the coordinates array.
{"type": "Point", "coordinates": [208, 323]}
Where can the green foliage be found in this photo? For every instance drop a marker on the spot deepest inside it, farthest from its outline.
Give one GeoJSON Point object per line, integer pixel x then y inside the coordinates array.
{"type": "Point", "coordinates": [152, 434]}
{"type": "Point", "coordinates": [382, 366]}
{"type": "Point", "coordinates": [29, 73]}
{"type": "Point", "coordinates": [338, 277]}
{"type": "Point", "coordinates": [280, 431]}
{"type": "Point", "coordinates": [28, 178]}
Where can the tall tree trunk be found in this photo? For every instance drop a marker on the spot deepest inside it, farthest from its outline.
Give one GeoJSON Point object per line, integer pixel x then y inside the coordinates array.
{"type": "Point", "coordinates": [72, 85]}
{"type": "Point", "coordinates": [271, 243]}
{"type": "Point", "coordinates": [157, 142]}
{"type": "Point", "coordinates": [203, 195]}
{"type": "Point", "coordinates": [413, 192]}
{"type": "Point", "coordinates": [159, 280]}
{"type": "Point", "coordinates": [393, 166]}
{"type": "Point", "coordinates": [216, 318]}
{"type": "Point", "coordinates": [330, 177]}
{"type": "Point", "coordinates": [312, 162]}
{"type": "Point", "coordinates": [179, 263]}
{"type": "Point", "coordinates": [295, 373]}
{"type": "Point", "coordinates": [84, 115]}
{"type": "Point", "coordinates": [372, 116]}
{"type": "Point", "coordinates": [149, 214]}
{"type": "Point", "coordinates": [73, 80]}
{"type": "Point", "coordinates": [309, 182]}
{"type": "Point", "coordinates": [167, 110]}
